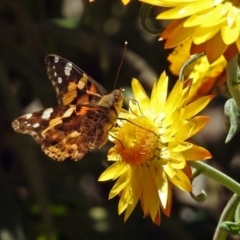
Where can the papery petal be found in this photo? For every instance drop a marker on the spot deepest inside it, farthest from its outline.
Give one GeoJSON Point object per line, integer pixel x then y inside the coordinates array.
{"type": "Point", "coordinates": [185, 10]}
{"type": "Point", "coordinates": [196, 153]}
{"type": "Point", "coordinates": [159, 93]}
{"type": "Point", "coordinates": [120, 184]}
{"type": "Point", "coordinates": [140, 95]}
{"type": "Point", "coordinates": [195, 107]}
{"type": "Point", "coordinates": [229, 35]}
{"type": "Point", "coordinates": [113, 172]}
{"type": "Point", "coordinates": [199, 123]}
{"type": "Point", "coordinates": [181, 181]}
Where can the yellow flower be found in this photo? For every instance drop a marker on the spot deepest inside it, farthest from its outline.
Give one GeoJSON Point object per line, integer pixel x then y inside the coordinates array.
{"type": "Point", "coordinates": [206, 77]}
{"type": "Point", "coordinates": [125, 2]}
{"type": "Point", "coordinates": [212, 25]}
{"type": "Point", "coordinates": [151, 152]}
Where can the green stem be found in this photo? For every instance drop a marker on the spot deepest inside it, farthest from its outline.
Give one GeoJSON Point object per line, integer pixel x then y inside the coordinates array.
{"type": "Point", "coordinates": [232, 79]}
{"type": "Point", "coordinates": [217, 176]}
{"type": "Point", "coordinates": [189, 62]}
{"type": "Point", "coordinates": [143, 15]}
{"type": "Point", "coordinates": [237, 213]}
{"type": "Point", "coordinates": [227, 215]}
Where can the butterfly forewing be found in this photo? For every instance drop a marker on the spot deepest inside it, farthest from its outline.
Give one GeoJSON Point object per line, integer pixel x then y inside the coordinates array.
{"type": "Point", "coordinates": [70, 82]}
{"type": "Point", "coordinates": [83, 118]}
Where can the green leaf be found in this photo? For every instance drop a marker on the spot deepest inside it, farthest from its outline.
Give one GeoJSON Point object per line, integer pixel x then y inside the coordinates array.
{"type": "Point", "coordinates": [231, 111]}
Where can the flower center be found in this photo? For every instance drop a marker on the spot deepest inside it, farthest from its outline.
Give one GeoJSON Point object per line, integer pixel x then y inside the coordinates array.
{"type": "Point", "coordinates": [136, 141]}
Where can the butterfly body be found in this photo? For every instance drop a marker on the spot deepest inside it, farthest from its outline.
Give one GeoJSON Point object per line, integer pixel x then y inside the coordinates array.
{"type": "Point", "coordinates": [81, 121]}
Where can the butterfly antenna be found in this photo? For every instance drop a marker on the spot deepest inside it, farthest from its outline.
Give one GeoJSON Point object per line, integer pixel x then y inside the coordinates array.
{"type": "Point", "coordinates": [124, 51]}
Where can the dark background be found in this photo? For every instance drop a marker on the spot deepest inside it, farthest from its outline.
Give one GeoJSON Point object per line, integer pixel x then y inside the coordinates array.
{"type": "Point", "coordinates": [40, 197]}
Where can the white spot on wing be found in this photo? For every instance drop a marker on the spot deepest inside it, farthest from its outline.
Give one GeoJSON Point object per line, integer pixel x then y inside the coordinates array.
{"type": "Point", "coordinates": [59, 80]}
{"type": "Point", "coordinates": [56, 59]}
{"type": "Point", "coordinates": [55, 74]}
{"type": "Point", "coordinates": [27, 116]}
{"type": "Point", "coordinates": [68, 68]}
{"type": "Point", "coordinates": [47, 113]}
{"type": "Point", "coordinates": [35, 125]}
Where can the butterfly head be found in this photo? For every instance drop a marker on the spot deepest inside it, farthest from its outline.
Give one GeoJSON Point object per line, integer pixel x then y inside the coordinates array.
{"type": "Point", "coordinates": [118, 100]}
{"type": "Point", "coordinates": [113, 100]}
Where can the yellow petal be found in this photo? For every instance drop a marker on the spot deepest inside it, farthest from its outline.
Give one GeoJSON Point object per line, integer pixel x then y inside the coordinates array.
{"type": "Point", "coordinates": [169, 170]}
{"type": "Point", "coordinates": [237, 22]}
{"type": "Point", "coordinates": [185, 131]}
{"type": "Point", "coordinates": [181, 181]}
{"type": "Point", "coordinates": [209, 16]}
{"type": "Point", "coordinates": [238, 44]}
{"type": "Point", "coordinates": [127, 201]}
{"type": "Point", "coordinates": [177, 35]}
{"type": "Point", "coordinates": [163, 189]}
{"type": "Point", "coordinates": [131, 204]}
{"type": "Point", "coordinates": [215, 47]}
{"type": "Point", "coordinates": [185, 10]}
{"type": "Point", "coordinates": [180, 146]}
{"type": "Point", "coordinates": [167, 209]}
{"type": "Point", "coordinates": [173, 98]}
{"type": "Point", "coordinates": [119, 185]}
{"type": "Point", "coordinates": [159, 93]}
{"type": "Point", "coordinates": [229, 35]}
{"type": "Point", "coordinates": [124, 200]}
{"type": "Point", "coordinates": [232, 14]}
{"type": "Point", "coordinates": [178, 163]}
{"type": "Point", "coordinates": [195, 107]}
{"type": "Point", "coordinates": [113, 172]}
{"type": "Point", "coordinates": [196, 153]}
{"type": "Point", "coordinates": [202, 34]}
{"type": "Point", "coordinates": [149, 190]}
{"type": "Point", "coordinates": [199, 123]}
{"type": "Point", "coordinates": [140, 95]}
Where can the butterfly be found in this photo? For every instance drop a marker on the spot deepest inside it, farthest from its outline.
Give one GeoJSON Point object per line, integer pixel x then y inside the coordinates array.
{"type": "Point", "coordinates": [81, 122]}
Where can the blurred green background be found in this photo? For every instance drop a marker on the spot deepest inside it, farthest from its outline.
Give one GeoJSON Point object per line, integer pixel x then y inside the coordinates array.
{"type": "Point", "coordinates": [43, 199]}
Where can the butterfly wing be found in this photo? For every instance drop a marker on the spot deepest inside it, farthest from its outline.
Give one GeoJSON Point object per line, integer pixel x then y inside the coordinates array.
{"type": "Point", "coordinates": [64, 132]}
{"type": "Point", "coordinates": [71, 83]}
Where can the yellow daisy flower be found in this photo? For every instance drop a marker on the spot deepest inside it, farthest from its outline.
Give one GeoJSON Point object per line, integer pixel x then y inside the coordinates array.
{"type": "Point", "coordinates": [151, 151]}
{"type": "Point", "coordinates": [206, 77]}
{"type": "Point", "coordinates": [212, 25]}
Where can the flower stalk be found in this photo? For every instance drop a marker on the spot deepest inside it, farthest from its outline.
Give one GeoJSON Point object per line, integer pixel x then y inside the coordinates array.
{"type": "Point", "coordinates": [216, 175]}
{"type": "Point", "coordinates": [226, 218]}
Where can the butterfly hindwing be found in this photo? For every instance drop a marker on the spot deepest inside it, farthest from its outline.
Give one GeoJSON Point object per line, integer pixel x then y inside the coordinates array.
{"type": "Point", "coordinates": [63, 132]}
